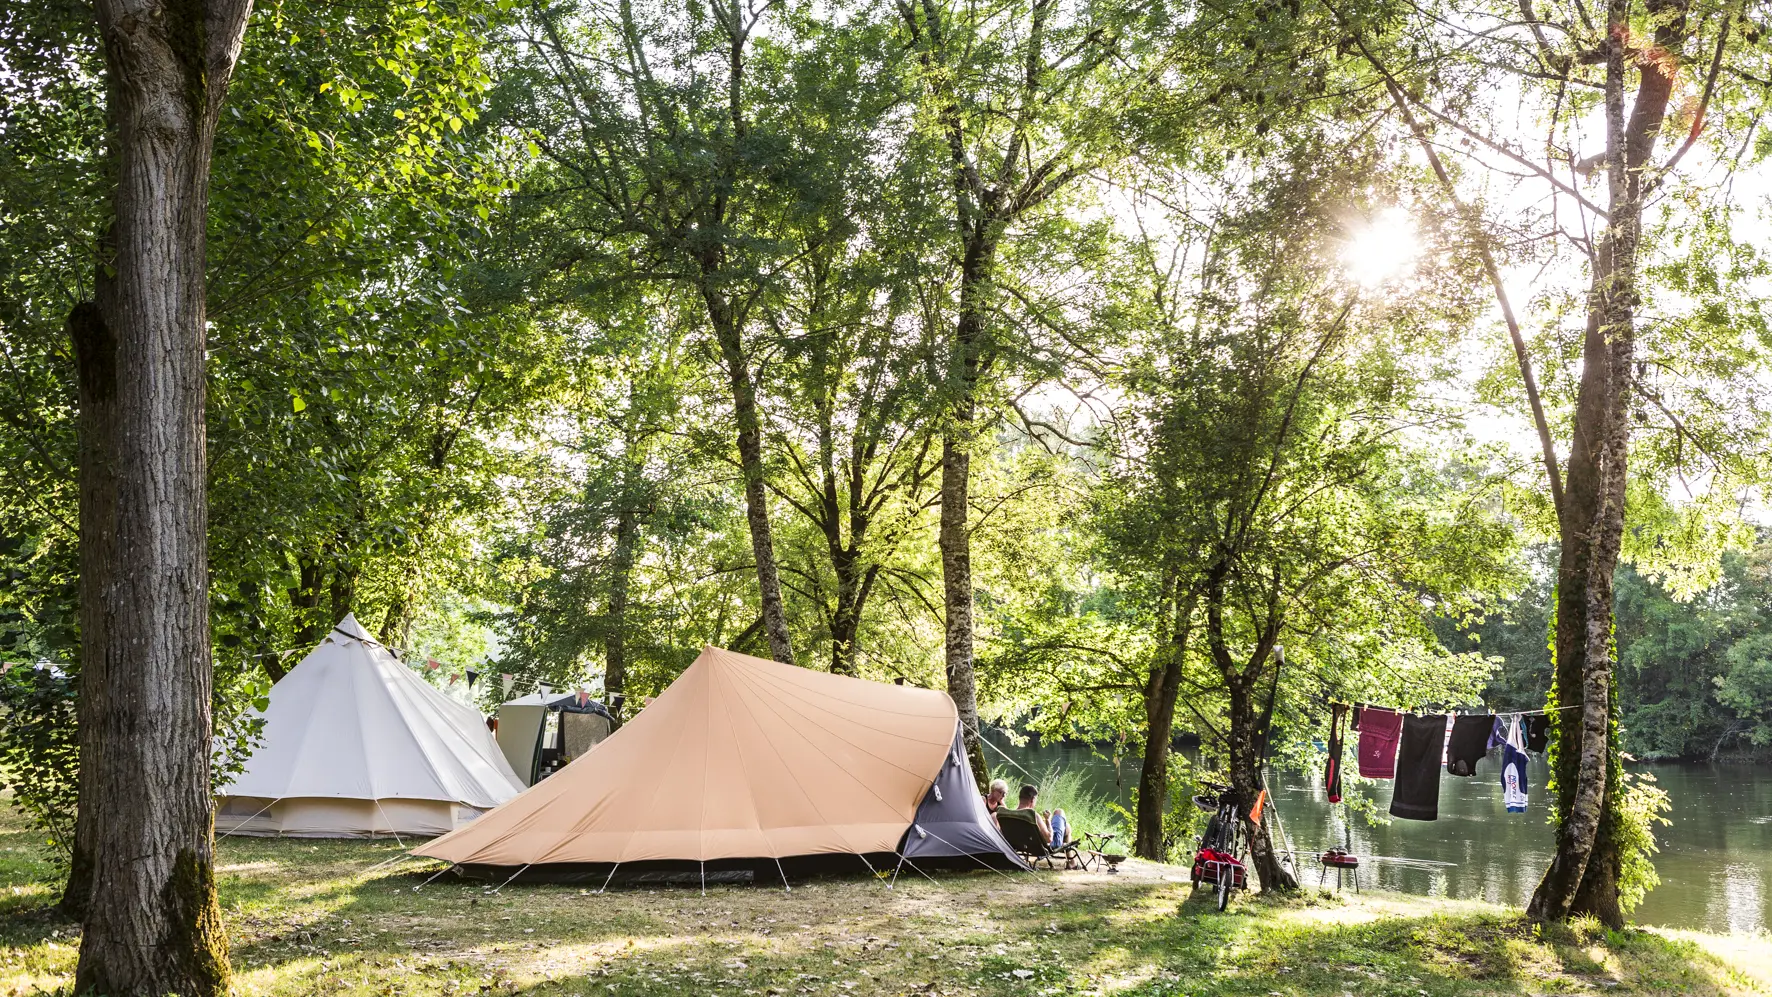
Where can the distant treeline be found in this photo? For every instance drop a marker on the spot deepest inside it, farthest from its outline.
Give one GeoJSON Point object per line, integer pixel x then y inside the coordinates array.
{"type": "Point", "coordinates": [1694, 677]}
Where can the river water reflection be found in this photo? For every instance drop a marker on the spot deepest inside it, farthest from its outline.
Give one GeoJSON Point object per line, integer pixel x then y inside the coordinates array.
{"type": "Point", "coordinates": [1715, 860]}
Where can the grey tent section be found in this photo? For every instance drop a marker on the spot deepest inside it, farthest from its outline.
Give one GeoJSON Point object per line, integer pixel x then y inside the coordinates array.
{"type": "Point", "coordinates": [532, 748]}
{"type": "Point", "coordinates": [952, 822]}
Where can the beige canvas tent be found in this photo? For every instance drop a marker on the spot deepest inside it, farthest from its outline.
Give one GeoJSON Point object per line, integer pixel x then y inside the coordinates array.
{"type": "Point", "coordinates": [744, 760]}
{"type": "Point", "coordinates": [356, 744]}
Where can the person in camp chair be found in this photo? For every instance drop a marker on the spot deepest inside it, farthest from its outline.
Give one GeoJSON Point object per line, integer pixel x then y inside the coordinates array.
{"type": "Point", "coordinates": [993, 800]}
{"type": "Point", "coordinates": [1052, 826]}
{"type": "Point", "coordinates": [1029, 796]}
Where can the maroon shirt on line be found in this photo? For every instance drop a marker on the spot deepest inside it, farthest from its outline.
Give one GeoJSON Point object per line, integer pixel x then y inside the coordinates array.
{"type": "Point", "coordinates": [1379, 731]}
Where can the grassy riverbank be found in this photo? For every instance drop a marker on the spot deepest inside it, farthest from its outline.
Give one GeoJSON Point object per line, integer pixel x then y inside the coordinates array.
{"type": "Point", "coordinates": [318, 918]}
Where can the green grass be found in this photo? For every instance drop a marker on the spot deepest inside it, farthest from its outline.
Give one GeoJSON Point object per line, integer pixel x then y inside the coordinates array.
{"type": "Point", "coordinates": [318, 918]}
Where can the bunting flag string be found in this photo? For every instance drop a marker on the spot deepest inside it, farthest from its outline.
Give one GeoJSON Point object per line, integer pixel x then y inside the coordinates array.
{"type": "Point", "coordinates": [508, 680]}
{"type": "Point", "coordinates": [473, 676]}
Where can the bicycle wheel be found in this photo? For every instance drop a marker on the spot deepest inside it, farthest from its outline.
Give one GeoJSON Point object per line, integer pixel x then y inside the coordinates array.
{"type": "Point", "coordinates": [1226, 876]}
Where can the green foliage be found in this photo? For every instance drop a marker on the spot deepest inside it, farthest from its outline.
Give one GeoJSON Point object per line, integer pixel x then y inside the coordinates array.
{"type": "Point", "coordinates": [1068, 790]}
{"type": "Point", "coordinates": [1641, 806]}
{"type": "Point", "coordinates": [1692, 673]}
{"type": "Point", "coordinates": [40, 751]}
{"type": "Point", "coordinates": [1182, 820]}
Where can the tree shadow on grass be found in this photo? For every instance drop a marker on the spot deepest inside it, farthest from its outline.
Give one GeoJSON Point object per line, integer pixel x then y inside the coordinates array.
{"type": "Point", "coordinates": [1035, 937]}
{"type": "Point", "coordinates": [308, 918]}
{"type": "Point", "coordinates": [1315, 945]}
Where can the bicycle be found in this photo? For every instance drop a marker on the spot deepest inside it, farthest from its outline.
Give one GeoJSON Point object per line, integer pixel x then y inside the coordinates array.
{"type": "Point", "coordinates": [1223, 849]}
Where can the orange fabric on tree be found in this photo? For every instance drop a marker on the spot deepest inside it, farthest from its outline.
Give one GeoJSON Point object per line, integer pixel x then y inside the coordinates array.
{"type": "Point", "coordinates": [1260, 805]}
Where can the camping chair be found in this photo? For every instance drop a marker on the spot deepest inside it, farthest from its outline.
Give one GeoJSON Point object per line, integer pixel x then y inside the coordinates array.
{"type": "Point", "coordinates": [1023, 835]}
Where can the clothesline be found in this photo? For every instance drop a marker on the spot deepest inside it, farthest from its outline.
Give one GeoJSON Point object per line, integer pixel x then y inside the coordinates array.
{"type": "Point", "coordinates": [1474, 712]}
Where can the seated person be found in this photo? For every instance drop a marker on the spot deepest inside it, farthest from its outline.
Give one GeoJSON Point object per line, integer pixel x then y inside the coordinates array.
{"type": "Point", "coordinates": [993, 800]}
{"type": "Point", "coordinates": [1029, 795]}
{"type": "Point", "coordinates": [1061, 826]}
{"type": "Point", "coordinates": [1052, 826]}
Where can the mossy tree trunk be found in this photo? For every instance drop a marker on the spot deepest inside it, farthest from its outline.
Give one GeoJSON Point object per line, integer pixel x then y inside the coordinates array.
{"type": "Point", "coordinates": [1589, 491]}
{"type": "Point", "coordinates": [621, 569]}
{"type": "Point", "coordinates": [1584, 873]}
{"type": "Point", "coordinates": [1245, 741]}
{"type": "Point", "coordinates": [152, 925]}
{"type": "Point", "coordinates": [1162, 688]}
{"type": "Point", "coordinates": [1002, 168]}
{"type": "Point", "coordinates": [955, 535]}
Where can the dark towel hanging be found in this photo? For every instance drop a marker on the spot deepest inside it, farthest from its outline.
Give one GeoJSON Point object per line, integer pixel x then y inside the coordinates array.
{"type": "Point", "coordinates": [1470, 742]}
{"type": "Point", "coordinates": [1416, 795]}
{"type": "Point", "coordinates": [1538, 732]}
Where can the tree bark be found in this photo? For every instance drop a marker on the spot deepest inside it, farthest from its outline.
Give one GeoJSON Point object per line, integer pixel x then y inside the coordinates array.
{"type": "Point", "coordinates": [97, 498]}
{"type": "Point", "coordinates": [956, 477]}
{"type": "Point", "coordinates": [304, 599]}
{"type": "Point", "coordinates": [750, 462]}
{"type": "Point", "coordinates": [846, 619]}
{"type": "Point", "coordinates": [145, 667]}
{"type": "Point", "coordinates": [396, 622]}
{"type": "Point", "coordinates": [621, 567]}
{"type": "Point", "coordinates": [1584, 872]}
{"type": "Point", "coordinates": [1243, 746]}
{"type": "Point", "coordinates": [1246, 783]}
{"type": "Point", "coordinates": [1160, 694]}
{"type": "Point", "coordinates": [855, 577]}
{"type": "Point", "coordinates": [956, 576]}
{"type": "Point", "coordinates": [77, 891]}
{"type": "Point", "coordinates": [341, 595]}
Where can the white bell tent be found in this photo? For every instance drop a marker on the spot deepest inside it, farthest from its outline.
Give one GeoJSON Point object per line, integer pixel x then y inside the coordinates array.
{"type": "Point", "coordinates": [356, 744]}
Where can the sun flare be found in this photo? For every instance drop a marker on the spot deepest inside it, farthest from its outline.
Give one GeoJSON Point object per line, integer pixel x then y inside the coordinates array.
{"type": "Point", "coordinates": [1382, 248]}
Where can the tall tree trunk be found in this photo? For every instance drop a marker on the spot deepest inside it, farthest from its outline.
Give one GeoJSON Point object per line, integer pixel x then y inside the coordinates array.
{"type": "Point", "coordinates": [1160, 693]}
{"type": "Point", "coordinates": [956, 477]}
{"type": "Point", "coordinates": [98, 492]}
{"type": "Point", "coordinates": [846, 619]}
{"type": "Point", "coordinates": [1245, 774]}
{"type": "Point", "coordinates": [1244, 747]}
{"type": "Point", "coordinates": [342, 594]}
{"type": "Point", "coordinates": [1583, 876]}
{"type": "Point", "coordinates": [396, 622]}
{"type": "Point", "coordinates": [853, 586]}
{"type": "Point", "coordinates": [956, 576]}
{"type": "Point", "coordinates": [304, 599]}
{"type": "Point", "coordinates": [750, 464]}
{"type": "Point", "coordinates": [77, 891]}
{"type": "Point", "coordinates": [615, 654]}
{"type": "Point", "coordinates": [146, 672]}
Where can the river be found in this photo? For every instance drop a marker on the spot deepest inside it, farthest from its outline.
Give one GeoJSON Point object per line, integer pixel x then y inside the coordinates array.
{"type": "Point", "coordinates": [1715, 860]}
